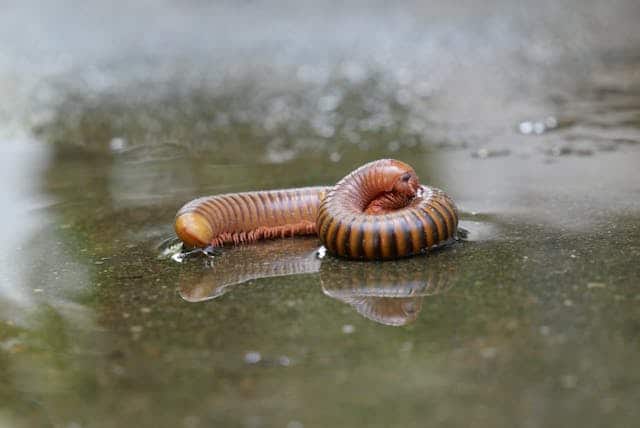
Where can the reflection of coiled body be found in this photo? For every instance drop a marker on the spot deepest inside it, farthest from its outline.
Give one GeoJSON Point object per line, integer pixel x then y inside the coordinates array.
{"type": "Point", "coordinates": [387, 294]}
{"type": "Point", "coordinates": [400, 279]}
{"type": "Point", "coordinates": [378, 212]}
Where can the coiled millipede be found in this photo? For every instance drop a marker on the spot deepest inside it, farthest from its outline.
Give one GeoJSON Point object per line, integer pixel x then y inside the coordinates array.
{"type": "Point", "coordinates": [377, 212]}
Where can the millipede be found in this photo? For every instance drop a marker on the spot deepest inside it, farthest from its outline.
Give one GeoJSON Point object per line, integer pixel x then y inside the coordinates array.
{"type": "Point", "coordinates": [380, 211]}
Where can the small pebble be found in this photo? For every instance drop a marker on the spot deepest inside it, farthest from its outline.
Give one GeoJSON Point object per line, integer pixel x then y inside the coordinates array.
{"type": "Point", "coordinates": [252, 357]}
{"type": "Point", "coordinates": [525, 127]}
{"type": "Point", "coordinates": [118, 370]}
{"type": "Point", "coordinates": [569, 381]}
{"type": "Point", "coordinates": [191, 421]}
{"type": "Point", "coordinates": [348, 329]}
{"type": "Point", "coordinates": [591, 285]}
{"type": "Point", "coordinates": [117, 144]}
{"type": "Point", "coordinates": [512, 325]}
{"type": "Point", "coordinates": [284, 361]}
{"type": "Point", "coordinates": [335, 157]}
{"type": "Point", "coordinates": [406, 346]}
{"type": "Point", "coordinates": [489, 353]}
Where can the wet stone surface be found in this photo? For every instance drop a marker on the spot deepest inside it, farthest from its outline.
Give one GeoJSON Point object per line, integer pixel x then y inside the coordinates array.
{"type": "Point", "coordinates": [531, 319]}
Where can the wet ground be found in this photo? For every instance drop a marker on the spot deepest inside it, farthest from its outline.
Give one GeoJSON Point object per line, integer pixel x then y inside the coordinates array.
{"type": "Point", "coordinates": [528, 117]}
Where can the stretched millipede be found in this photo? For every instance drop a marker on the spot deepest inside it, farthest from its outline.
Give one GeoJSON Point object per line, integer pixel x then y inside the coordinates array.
{"type": "Point", "coordinates": [377, 212]}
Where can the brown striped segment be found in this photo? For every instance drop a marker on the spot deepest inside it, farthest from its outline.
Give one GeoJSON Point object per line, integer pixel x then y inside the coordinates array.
{"type": "Point", "coordinates": [387, 240]}
{"type": "Point", "coordinates": [446, 214]}
{"type": "Point", "coordinates": [356, 249]}
{"type": "Point", "coordinates": [402, 233]}
{"type": "Point", "coordinates": [370, 241]}
{"type": "Point", "coordinates": [440, 214]}
{"type": "Point", "coordinates": [332, 230]}
{"type": "Point", "coordinates": [342, 238]}
{"type": "Point", "coordinates": [238, 207]}
{"type": "Point", "coordinates": [416, 229]}
{"type": "Point", "coordinates": [438, 224]}
{"type": "Point", "coordinates": [252, 209]}
{"type": "Point", "coordinates": [219, 209]}
{"type": "Point", "coordinates": [451, 213]}
{"type": "Point", "coordinates": [267, 206]}
{"type": "Point", "coordinates": [429, 227]}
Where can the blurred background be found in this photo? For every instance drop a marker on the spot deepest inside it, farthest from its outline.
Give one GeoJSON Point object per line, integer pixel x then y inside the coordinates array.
{"type": "Point", "coordinates": [113, 115]}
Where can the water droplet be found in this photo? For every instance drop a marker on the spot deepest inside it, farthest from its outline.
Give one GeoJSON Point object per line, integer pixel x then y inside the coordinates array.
{"type": "Point", "coordinates": [550, 122]}
{"type": "Point", "coordinates": [489, 353]}
{"type": "Point", "coordinates": [525, 127]}
{"type": "Point", "coordinates": [117, 144]}
{"type": "Point", "coordinates": [393, 146]}
{"type": "Point", "coordinates": [284, 361]}
{"type": "Point", "coordinates": [591, 285]}
{"type": "Point", "coordinates": [569, 381]}
{"type": "Point", "coordinates": [329, 102]}
{"type": "Point", "coordinates": [178, 257]}
{"type": "Point", "coordinates": [321, 252]}
{"type": "Point", "coordinates": [348, 329]}
{"type": "Point", "coordinates": [252, 357]}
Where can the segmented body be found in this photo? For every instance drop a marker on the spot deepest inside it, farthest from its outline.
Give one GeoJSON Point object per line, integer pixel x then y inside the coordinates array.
{"type": "Point", "coordinates": [427, 222]}
{"type": "Point", "coordinates": [408, 220]}
{"type": "Point", "coordinates": [235, 218]}
{"type": "Point", "coordinates": [378, 212]}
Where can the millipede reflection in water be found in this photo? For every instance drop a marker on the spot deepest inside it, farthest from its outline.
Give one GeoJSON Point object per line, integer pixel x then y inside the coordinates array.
{"type": "Point", "coordinates": [244, 263]}
{"type": "Point", "coordinates": [389, 293]}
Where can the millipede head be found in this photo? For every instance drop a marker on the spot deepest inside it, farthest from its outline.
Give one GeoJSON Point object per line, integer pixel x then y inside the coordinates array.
{"type": "Point", "coordinates": [403, 180]}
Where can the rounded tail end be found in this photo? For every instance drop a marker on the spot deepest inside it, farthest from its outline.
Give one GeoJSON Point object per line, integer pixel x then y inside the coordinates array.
{"type": "Point", "coordinates": [193, 229]}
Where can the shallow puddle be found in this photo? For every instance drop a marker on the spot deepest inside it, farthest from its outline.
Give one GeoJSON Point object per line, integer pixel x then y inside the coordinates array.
{"type": "Point", "coordinates": [530, 319]}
